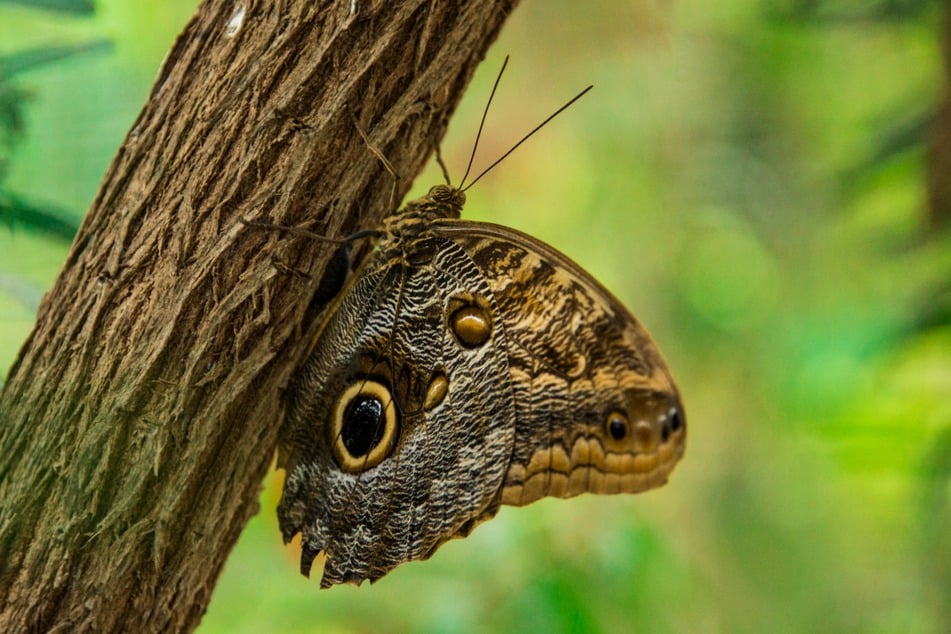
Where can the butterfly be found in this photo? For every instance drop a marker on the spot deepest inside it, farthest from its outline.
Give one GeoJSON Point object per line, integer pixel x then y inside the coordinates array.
{"type": "Point", "coordinates": [464, 365]}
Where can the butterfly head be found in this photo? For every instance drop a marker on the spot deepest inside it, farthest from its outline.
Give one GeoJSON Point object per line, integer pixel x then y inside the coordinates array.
{"type": "Point", "coordinates": [441, 201]}
{"type": "Point", "coordinates": [448, 200]}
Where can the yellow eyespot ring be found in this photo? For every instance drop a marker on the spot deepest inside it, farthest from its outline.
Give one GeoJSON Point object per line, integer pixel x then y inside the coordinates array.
{"type": "Point", "coordinates": [363, 426]}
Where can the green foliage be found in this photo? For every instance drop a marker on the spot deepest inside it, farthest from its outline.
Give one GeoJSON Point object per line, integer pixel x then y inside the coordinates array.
{"type": "Point", "coordinates": [13, 208]}
{"type": "Point", "coordinates": [749, 178]}
{"type": "Point", "coordinates": [78, 7]}
{"type": "Point", "coordinates": [19, 295]}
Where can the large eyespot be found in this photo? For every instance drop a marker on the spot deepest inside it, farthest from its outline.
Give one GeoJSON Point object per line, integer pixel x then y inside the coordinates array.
{"type": "Point", "coordinates": [364, 425]}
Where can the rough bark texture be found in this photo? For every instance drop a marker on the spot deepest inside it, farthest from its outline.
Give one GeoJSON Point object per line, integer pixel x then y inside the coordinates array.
{"type": "Point", "coordinates": [143, 411]}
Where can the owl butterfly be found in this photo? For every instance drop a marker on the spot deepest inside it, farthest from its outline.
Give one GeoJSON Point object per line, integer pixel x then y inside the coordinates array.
{"type": "Point", "coordinates": [463, 366]}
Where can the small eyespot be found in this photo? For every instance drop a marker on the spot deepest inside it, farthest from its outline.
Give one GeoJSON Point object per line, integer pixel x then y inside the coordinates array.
{"type": "Point", "coordinates": [471, 325]}
{"type": "Point", "coordinates": [676, 420]}
{"type": "Point", "coordinates": [436, 392]}
{"type": "Point", "coordinates": [617, 425]}
{"type": "Point", "coordinates": [364, 425]}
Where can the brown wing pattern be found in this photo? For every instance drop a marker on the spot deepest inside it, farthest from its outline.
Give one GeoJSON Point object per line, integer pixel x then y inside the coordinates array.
{"type": "Point", "coordinates": [464, 366]}
{"type": "Point", "coordinates": [596, 407]}
{"type": "Point", "coordinates": [385, 358]}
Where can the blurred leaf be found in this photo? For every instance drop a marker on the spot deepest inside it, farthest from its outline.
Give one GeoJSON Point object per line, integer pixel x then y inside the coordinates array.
{"type": "Point", "coordinates": [12, 100]}
{"type": "Point", "coordinates": [934, 308]}
{"type": "Point", "coordinates": [56, 223]}
{"type": "Point", "coordinates": [21, 61]}
{"type": "Point", "coordinates": [844, 11]}
{"type": "Point", "coordinates": [78, 7]}
{"type": "Point", "coordinates": [905, 133]}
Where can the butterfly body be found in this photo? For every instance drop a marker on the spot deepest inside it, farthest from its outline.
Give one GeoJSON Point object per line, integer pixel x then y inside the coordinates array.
{"type": "Point", "coordinates": [463, 366]}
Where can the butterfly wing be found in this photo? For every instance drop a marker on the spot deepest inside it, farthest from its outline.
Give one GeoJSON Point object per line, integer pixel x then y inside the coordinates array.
{"type": "Point", "coordinates": [596, 407]}
{"type": "Point", "coordinates": [400, 424]}
{"type": "Point", "coordinates": [466, 366]}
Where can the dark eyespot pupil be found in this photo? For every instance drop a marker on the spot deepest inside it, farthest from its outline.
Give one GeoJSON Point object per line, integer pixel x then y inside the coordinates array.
{"type": "Point", "coordinates": [675, 422]}
{"type": "Point", "coordinates": [665, 432]}
{"type": "Point", "coordinates": [363, 425]}
{"type": "Point", "coordinates": [617, 428]}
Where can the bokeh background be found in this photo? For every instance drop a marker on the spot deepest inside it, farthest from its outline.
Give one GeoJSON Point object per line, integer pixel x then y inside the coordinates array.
{"type": "Point", "coordinates": [750, 177]}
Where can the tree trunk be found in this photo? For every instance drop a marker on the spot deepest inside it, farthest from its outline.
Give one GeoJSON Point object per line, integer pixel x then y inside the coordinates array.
{"type": "Point", "coordinates": [143, 411]}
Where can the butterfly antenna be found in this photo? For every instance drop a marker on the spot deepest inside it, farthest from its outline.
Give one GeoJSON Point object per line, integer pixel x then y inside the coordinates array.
{"type": "Point", "coordinates": [442, 165]}
{"type": "Point", "coordinates": [382, 158]}
{"type": "Point", "coordinates": [485, 113]}
{"type": "Point", "coordinates": [527, 136]}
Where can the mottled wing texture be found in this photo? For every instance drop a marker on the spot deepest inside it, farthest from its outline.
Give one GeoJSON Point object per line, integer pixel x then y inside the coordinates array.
{"type": "Point", "coordinates": [448, 464]}
{"type": "Point", "coordinates": [512, 373]}
{"type": "Point", "coordinates": [577, 360]}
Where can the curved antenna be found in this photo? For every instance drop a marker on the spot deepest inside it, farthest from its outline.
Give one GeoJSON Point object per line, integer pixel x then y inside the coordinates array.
{"type": "Point", "coordinates": [442, 165]}
{"type": "Point", "coordinates": [485, 113]}
{"type": "Point", "coordinates": [524, 138]}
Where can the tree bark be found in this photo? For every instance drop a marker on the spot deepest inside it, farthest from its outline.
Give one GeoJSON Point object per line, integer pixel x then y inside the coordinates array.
{"type": "Point", "coordinates": [143, 411]}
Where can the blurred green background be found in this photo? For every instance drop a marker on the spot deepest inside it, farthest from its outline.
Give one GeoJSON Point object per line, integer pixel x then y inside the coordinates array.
{"type": "Point", "coordinates": [750, 178]}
